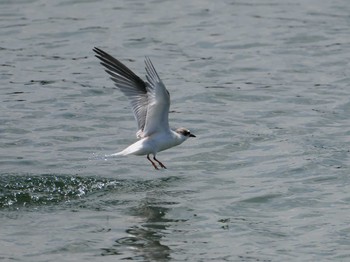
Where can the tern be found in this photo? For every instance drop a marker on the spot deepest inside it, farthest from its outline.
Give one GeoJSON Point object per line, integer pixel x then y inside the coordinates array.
{"type": "Point", "coordinates": [150, 102]}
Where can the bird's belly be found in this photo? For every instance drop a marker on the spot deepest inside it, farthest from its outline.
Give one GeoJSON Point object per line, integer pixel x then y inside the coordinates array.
{"type": "Point", "coordinates": [165, 143]}
{"type": "Point", "coordinates": [152, 145]}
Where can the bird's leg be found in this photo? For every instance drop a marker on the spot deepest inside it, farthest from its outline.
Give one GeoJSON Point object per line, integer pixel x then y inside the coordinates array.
{"type": "Point", "coordinates": [155, 166]}
{"type": "Point", "coordinates": [160, 163]}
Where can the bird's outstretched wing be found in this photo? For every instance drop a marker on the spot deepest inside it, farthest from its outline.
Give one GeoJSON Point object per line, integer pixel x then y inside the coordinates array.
{"type": "Point", "coordinates": [158, 102]}
{"type": "Point", "coordinates": [150, 100]}
{"type": "Point", "coordinates": [133, 87]}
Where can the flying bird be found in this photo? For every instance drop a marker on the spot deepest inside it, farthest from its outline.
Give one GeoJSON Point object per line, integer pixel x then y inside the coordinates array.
{"type": "Point", "coordinates": [150, 102]}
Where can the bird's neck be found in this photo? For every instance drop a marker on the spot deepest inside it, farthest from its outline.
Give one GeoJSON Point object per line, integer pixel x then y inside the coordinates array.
{"type": "Point", "coordinates": [179, 138]}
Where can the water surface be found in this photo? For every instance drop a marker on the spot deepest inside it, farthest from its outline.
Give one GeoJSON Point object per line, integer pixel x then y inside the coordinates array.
{"type": "Point", "coordinates": [263, 84]}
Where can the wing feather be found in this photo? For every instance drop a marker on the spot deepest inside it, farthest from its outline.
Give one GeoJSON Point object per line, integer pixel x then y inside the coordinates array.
{"type": "Point", "coordinates": [129, 83]}
{"type": "Point", "coordinates": [158, 102]}
{"type": "Point", "coordinates": [150, 100]}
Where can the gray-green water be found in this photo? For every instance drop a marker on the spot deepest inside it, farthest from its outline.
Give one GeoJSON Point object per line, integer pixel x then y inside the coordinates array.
{"type": "Point", "coordinates": [263, 84]}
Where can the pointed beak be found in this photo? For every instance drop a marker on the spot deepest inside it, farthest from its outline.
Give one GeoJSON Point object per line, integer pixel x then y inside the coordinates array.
{"type": "Point", "coordinates": [192, 135]}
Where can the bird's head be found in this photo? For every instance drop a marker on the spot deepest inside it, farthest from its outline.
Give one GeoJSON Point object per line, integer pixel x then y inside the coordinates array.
{"type": "Point", "coordinates": [184, 133]}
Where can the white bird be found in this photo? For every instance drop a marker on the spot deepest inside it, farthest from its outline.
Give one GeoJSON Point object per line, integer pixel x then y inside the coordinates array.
{"type": "Point", "coordinates": [150, 102]}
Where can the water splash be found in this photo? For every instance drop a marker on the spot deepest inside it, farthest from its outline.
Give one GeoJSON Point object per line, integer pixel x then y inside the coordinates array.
{"type": "Point", "coordinates": [99, 156]}
{"type": "Point", "coordinates": [24, 190]}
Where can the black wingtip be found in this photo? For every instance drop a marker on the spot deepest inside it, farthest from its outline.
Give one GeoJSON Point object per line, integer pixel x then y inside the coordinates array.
{"type": "Point", "coordinates": [99, 51]}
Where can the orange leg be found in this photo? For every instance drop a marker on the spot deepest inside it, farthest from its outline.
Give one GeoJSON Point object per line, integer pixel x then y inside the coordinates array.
{"type": "Point", "coordinates": [155, 166]}
{"type": "Point", "coordinates": [160, 163]}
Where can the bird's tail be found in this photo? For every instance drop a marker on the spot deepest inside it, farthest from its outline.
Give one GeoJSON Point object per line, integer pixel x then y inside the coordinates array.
{"type": "Point", "coordinates": [122, 153]}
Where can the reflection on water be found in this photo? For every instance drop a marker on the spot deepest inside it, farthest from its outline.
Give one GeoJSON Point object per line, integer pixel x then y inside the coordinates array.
{"type": "Point", "coordinates": [144, 242]}
{"type": "Point", "coordinates": [144, 239]}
